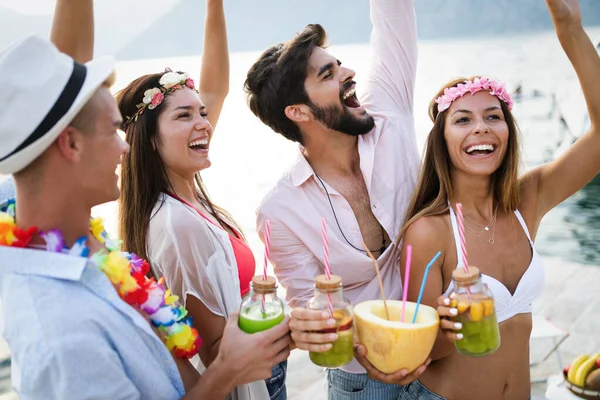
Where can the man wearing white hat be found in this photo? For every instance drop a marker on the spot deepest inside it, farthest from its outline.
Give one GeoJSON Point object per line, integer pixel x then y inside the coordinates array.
{"type": "Point", "coordinates": [70, 333]}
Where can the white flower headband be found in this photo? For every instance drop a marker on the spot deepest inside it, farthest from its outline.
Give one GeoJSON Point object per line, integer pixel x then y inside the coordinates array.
{"type": "Point", "coordinates": [169, 82]}
{"type": "Point", "coordinates": [495, 88]}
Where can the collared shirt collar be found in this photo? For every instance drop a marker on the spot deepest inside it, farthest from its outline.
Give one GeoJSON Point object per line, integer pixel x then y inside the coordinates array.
{"type": "Point", "coordinates": [41, 263]}
{"type": "Point", "coordinates": [301, 171]}
{"type": "Point", "coordinates": [22, 261]}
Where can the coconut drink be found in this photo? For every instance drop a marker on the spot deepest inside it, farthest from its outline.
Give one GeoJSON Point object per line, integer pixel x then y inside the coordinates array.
{"type": "Point", "coordinates": [391, 344]}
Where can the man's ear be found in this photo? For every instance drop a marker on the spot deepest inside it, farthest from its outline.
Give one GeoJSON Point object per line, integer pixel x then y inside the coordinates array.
{"type": "Point", "coordinates": [70, 144]}
{"type": "Point", "coordinates": [298, 113]}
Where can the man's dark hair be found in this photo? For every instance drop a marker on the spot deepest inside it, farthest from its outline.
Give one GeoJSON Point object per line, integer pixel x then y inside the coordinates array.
{"type": "Point", "coordinates": [276, 80]}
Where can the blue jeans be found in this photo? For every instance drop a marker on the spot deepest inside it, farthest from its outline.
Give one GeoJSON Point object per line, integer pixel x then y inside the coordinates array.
{"type": "Point", "coordinates": [416, 391]}
{"type": "Point", "coordinates": [276, 383]}
{"type": "Point", "coordinates": [345, 386]}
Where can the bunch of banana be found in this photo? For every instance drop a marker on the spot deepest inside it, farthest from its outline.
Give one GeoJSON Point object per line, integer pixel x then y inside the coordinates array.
{"type": "Point", "coordinates": [584, 371]}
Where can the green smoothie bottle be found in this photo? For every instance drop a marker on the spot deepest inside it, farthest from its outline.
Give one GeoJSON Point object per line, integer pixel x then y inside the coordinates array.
{"type": "Point", "coordinates": [261, 309]}
{"type": "Point", "coordinates": [329, 292]}
{"type": "Point", "coordinates": [476, 313]}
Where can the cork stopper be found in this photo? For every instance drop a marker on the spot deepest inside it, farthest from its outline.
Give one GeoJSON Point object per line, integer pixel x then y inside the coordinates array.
{"type": "Point", "coordinates": [322, 283]}
{"type": "Point", "coordinates": [260, 285]}
{"type": "Point", "coordinates": [464, 278]}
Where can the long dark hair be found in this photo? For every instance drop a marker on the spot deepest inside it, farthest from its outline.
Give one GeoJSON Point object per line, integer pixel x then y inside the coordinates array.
{"type": "Point", "coordinates": [143, 173]}
{"type": "Point", "coordinates": [434, 186]}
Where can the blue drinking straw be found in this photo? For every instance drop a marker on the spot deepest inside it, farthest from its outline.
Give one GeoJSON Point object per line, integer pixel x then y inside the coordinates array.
{"type": "Point", "coordinates": [433, 260]}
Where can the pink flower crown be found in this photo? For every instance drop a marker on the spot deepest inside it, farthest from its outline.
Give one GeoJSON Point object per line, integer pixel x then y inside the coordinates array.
{"type": "Point", "coordinates": [169, 82]}
{"type": "Point", "coordinates": [495, 88]}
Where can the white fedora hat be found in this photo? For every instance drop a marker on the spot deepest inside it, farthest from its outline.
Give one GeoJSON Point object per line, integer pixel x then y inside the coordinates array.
{"type": "Point", "coordinates": [41, 91]}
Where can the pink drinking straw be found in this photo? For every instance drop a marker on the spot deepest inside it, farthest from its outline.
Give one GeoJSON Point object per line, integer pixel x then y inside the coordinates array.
{"type": "Point", "coordinates": [406, 279]}
{"type": "Point", "coordinates": [461, 232]}
{"type": "Point", "coordinates": [326, 259]}
{"type": "Point", "coordinates": [267, 245]}
{"type": "Point", "coordinates": [463, 242]}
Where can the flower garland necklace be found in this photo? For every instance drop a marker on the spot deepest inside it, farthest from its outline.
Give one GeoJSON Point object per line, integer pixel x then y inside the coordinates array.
{"type": "Point", "coordinates": [124, 270]}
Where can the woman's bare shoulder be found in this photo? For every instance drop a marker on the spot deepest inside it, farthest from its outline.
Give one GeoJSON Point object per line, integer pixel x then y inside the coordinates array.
{"type": "Point", "coordinates": [430, 230]}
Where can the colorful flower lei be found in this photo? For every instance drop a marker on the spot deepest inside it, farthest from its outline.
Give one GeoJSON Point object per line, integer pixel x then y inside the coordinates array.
{"type": "Point", "coordinates": [495, 88]}
{"type": "Point", "coordinates": [126, 271]}
{"type": "Point", "coordinates": [169, 82]}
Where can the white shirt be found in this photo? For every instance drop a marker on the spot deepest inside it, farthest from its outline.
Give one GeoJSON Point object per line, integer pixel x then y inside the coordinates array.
{"type": "Point", "coordinates": [389, 162]}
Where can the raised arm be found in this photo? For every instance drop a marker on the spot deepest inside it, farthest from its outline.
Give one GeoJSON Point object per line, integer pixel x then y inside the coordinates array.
{"type": "Point", "coordinates": [561, 178]}
{"type": "Point", "coordinates": [394, 44]}
{"type": "Point", "coordinates": [73, 28]}
{"type": "Point", "coordinates": [214, 73]}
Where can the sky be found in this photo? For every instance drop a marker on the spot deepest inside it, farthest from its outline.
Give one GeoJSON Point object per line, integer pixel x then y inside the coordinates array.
{"type": "Point", "coordinates": [30, 7]}
{"type": "Point", "coordinates": [142, 29]}
{"type": "Point", "coordinates": [46, 7]}
{"type": "Point", "coordinates": [117, 21]}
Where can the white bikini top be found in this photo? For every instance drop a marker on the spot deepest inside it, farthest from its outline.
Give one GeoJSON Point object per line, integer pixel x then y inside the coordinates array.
{"type": "Point", "coordinates": [529, 287]}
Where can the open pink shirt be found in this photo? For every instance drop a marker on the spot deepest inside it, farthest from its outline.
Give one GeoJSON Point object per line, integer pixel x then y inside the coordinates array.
{"type": "Point", "coordinates": [389, 161]}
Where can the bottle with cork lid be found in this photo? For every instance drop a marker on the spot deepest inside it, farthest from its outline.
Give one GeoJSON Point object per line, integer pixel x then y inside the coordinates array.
{"type": "Point", "coordinates": [261, 308]}
{"type": "Point", "coordinates": [329, 297]}
{"type": "Point", "coordinates": [476, 312]}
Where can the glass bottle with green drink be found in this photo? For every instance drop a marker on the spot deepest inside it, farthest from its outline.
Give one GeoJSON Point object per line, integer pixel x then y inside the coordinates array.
{"type": "Point", "coordinates": [476, 313]}
{"type": "Point", "coordinates": [261, 309]}
{"type": "Point", "coordinates": [329, 296]}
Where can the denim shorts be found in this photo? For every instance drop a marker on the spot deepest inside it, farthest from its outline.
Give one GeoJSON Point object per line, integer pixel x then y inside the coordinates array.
{"type": "Point", "coordinates": [276, 383]}
{"type": "Point", "coordinates": [346, 386]}
{"type": "Point", "coordinates": [416, 391]}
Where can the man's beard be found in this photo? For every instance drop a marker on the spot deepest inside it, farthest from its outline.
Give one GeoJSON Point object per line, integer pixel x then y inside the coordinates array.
{"type": "Point", "coordinates": [342, 120]}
